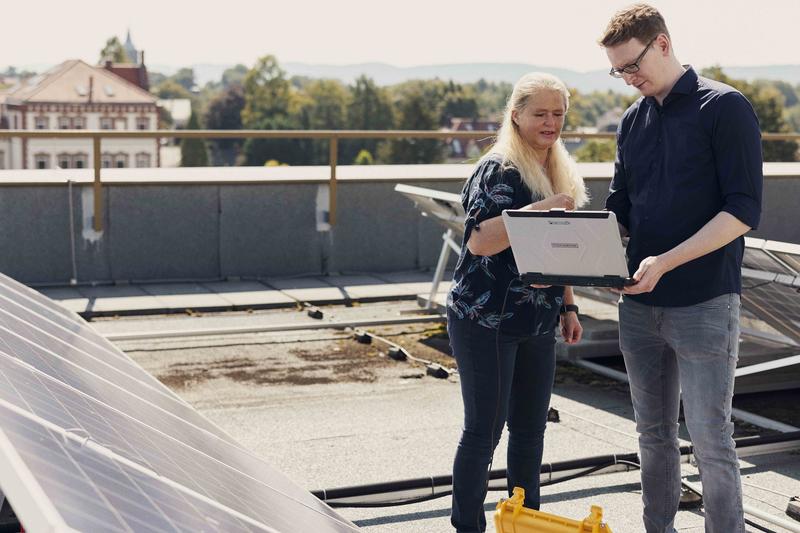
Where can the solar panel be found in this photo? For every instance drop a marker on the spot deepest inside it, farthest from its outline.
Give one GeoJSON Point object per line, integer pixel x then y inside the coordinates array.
{"type": "Point", "coordinates": [776, 304]}
{"type": "Point", "coordinates": [71, 351]}
{"type": "Point", "coordinates": [772, 256]}
{"type": "Point", "coordinates": [89, 441]}
{"type": "Point", "coordinates": [786, 252]}
{"type": "Point", "coordinates": [771, 279]}
{"type": "Point", "coordinates": [444, 207]}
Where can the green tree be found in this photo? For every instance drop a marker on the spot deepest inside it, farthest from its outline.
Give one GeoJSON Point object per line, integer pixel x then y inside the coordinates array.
{"type": "Point", "coordinates": [225, 113]}
{"type": "Point", "coordinates": [460, 101]}
{"type": "Point", "coordinates": [415, 112]}
{"type": "Point", "coordinates": [321, 106]}
{"type": "Point", "coordinates": [290, 151]}
{"type": "Point", "coordinates": [193, 151]}
{"type": "Point", "coordinates": [271, 104]}
{"type": "Point", "coordinates": [169, 88]}
{"type": "Point", "coordinates": [587, 110]}
{"type": "Point", "coordinates": [792, 115]}
{"type": "Point", "coordinates": [234, 76]}
{"type": "Point", "coordinates": [155, 78]}
{"type": "Point", "coordinates": [165, 119]}
{"type": "Point", "coordinates": [369, 108]}
{"type": "Point", "coordinates": [596, 150]}
{"type": "Point", "coordinates": [790, 94]}
{"type": "Point", "coordinates": [492, 98]}
{"type": "Point", "coordinates": [113, 51]}
{"type": "Point", "coordinates": [267, 93]}
{"type": "Point", "coordinates": [767, 102]}
{"type": "Point", "coordinates": [185, 78]}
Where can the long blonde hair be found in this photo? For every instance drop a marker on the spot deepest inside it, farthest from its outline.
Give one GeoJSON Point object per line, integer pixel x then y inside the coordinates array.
{"type": "Point", "coordinates": [561, 174]}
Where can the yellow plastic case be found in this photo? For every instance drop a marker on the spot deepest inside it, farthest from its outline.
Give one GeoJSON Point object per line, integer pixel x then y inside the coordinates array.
{"type": "Point", "coordinates": [512, 517]}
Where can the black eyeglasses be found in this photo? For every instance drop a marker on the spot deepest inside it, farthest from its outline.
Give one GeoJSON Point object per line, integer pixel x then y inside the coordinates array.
{"type": "Point", "coordinates": [632, 67]}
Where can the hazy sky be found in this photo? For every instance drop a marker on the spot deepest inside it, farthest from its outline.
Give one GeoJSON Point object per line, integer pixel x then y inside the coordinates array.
{"type": "Point", "coordinates": [403, 33]}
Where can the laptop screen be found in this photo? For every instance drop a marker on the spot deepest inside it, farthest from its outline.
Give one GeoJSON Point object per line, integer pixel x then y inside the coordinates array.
{"type": "Point", "coordinates": [566, 243]}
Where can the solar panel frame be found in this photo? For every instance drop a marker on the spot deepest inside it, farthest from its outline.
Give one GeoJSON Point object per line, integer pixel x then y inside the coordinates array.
{"type": "Point", "coordinates": [134, 430]}
{"type": "Point", "coordinates": [788, 253]}
{"type": "Point", "coordinates": [231, 488]}
{"type": "Point", "coordinates": [41, 381]}
{"type": "Point", "coordinates": [74, 459]}
{"type": "Point", "coordinates": [76, 326]}
{"type": "Point", "coordinates": [776, 304]}
{"type": "Point", "coordinates": [112, 365]}
{"type": "Point", "coordinates": [444, 207]}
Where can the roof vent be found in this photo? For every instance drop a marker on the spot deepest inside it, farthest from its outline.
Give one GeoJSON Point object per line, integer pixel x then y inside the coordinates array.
{"type": "Point", "coordinates": [82, 90]}
{"type": "Point", "coordinates": [109, 90]}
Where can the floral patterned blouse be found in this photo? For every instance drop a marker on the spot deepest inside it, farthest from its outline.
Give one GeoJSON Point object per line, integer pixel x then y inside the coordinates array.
{"type": "Point", "coordinates": [480, 282]}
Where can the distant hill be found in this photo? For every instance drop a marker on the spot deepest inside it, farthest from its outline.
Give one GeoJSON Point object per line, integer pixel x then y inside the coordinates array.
{"type": "Point", "coordinates": [384, 74]}
{"type": "Point", "coordinates": [787, 73]}
{"type": "Point", "coordinates": [595, 80]}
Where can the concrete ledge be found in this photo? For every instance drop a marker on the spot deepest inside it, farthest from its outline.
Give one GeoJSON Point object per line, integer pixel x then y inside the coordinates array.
{"type": "Point", "coordinates": [200, 224]}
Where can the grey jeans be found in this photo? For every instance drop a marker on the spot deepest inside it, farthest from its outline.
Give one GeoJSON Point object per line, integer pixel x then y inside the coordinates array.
{"type": "Point", "coordinates": [688, 353]}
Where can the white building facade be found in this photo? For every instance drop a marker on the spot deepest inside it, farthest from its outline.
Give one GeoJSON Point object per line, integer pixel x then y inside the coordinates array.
{"type": "Point", "coordinates": [77, 96]}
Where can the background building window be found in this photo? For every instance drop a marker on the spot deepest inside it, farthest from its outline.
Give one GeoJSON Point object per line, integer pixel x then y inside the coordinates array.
{"type": "Point", "coordinates": [120, 123]}
{"type": "Point", "coordinates": [79, 123]}
{"type": "Point", "coordinates": [142, 160]}
{"type": "Point", "coordinates": [106, 123]}
{"type": "Point", "coordinates": [64, 123]}
{"type": "Point", "coordinates": [120, 160]}
{"type": "Point", "coordinates": [2, 160]}
{"type": "Point", "coordinates": [106, 160]}
{"type": "Point", "coordinates": [63, 160]}
{"type": "Point", "coordinates": [42, 123]}
{"type": "Point", "coordinates": [41, 161]}
{"type": "Point", "coordinates": [80, 160]}
{"type": "Point", "coordinates": [142, 123]}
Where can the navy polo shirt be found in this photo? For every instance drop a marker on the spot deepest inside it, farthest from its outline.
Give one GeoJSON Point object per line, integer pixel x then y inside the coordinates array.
{"type": "Point", "coordinates": [678, 165]}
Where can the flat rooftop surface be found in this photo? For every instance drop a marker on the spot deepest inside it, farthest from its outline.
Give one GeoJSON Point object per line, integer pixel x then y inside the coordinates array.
{"type": "Point", "coordinates": [330, 412]}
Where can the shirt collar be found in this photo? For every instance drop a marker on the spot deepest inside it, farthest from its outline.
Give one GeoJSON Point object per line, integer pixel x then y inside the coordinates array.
{"type": "Point", "coordinates": [686, 84]}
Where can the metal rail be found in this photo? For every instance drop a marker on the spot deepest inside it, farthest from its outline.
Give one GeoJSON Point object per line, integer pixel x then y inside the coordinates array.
{"type": "Point", "coordinates": [303, 326]}
{"type": "Point", "coordinates": [332, 136]}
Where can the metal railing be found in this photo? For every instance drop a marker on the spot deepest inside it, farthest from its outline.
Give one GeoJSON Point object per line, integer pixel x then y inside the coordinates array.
{"type": "Point", "coordinates": [333, 136]}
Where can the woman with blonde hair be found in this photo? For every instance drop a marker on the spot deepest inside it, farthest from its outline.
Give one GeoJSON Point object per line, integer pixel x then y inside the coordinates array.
{"type": "Point", "coordinates": [502, 332]}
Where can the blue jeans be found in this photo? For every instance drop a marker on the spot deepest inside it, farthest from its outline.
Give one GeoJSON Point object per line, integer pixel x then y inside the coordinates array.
{"type": "Point", "coordinates": [518, 390]}
{"type": "Point", "coordinates": [688, 353]}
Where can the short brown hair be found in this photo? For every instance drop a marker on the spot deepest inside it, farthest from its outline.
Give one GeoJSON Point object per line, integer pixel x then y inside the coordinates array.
{"type": "Point", "coordinates": [639, 21]}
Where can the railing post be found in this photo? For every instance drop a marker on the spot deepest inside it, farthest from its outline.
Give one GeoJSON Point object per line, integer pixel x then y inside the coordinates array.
{"type": "Point", "coordinates": [98, 186]}
{"type": "Point", "coordinates": [334, 155]}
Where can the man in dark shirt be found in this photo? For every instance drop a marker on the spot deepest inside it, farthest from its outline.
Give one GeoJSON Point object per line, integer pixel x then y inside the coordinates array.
{"type": "Point", "coordinates": [686, 188]}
